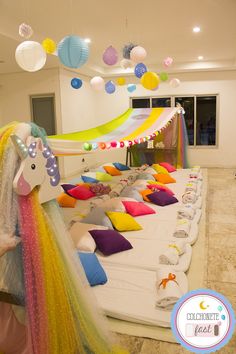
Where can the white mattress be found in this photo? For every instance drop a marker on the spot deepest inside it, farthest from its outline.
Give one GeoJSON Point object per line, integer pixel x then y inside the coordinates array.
{"type": "Point", "coordinates": [130, 295]}
{"type": "Point", "coordinates": [145, 255]}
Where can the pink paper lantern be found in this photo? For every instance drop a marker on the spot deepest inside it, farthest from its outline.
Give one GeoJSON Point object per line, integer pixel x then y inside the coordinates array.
{"type": "Point", "coordinates": [122, 144]}
{"type": "Point", "coordinates": [138, 54]}
{"type": "Point", "coordinates": [167, 62]}
{"type": "Point", "coordinates": [113, 144]}
{"type": "Point", "coordinates": [110, 56]}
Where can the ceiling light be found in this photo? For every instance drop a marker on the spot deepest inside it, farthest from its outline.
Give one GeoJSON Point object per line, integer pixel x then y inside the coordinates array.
{"type": "Point", "coordinates": [87, 40]}
{"type": "Point", "coordinates": [200, 57]}
{"type": "Point", "coordinates": [196, 29]}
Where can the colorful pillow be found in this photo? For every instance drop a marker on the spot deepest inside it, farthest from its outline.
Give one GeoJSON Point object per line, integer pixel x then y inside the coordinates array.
{"type": "Point", "coordinates": [145, 176]}
{"type": "Point", "coordinates": [94, 272]}
{"type": "Point", "coordinates": [98, 217]}
{"type": "Point", "coordinates": [168, 166]}
{"type": "Point", "coordinates": [113, 204]}
{"type": "Point", "coordinates": [81, 237]}
{"type": "Point", "coordinates": [88, 179]}
{"type": "Point", "coordinates": [110, 241]}
{"type": "Point", "coordinates": [66, 201]}
{"type": "Point", "coordinates": [68, 186]}
{"type": "Point", "coordinates": [137, 208]}
{"type": "Point", "coordinates": [81, 192]}
{"type": "Point", "coordinates": [103, 177]}
{"type": "Point", "coordinates": [130, 192]}
{"type": "Point", "coordinates": [159, 169]}
{"type": "Point", "coordinates": [145, 193]}
{"type": "Point", "coordinates": [123, 221]}
{"type": "Point", "coordinates": [164, 178]}
{"type": "Point", "coordinates": [100, 189]}
{"type": "Point", "coordinates": [112, 171]}
{"type": "Point", "coordinates": [162, 198]}
{"type": "Point", "coordinates": [86, 185]}
{"type": "Point", "coordinates": [121, 166]}
{"type": "Point", "coordinates": [160, 187]}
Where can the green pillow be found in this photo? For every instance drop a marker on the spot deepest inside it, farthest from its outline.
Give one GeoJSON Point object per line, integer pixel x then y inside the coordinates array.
{"type": "Point", "coordinates": [103, 177]}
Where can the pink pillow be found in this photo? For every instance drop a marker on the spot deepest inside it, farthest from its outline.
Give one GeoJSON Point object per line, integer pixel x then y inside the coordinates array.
{"type": "Point", "coordinates": [137, 208]}
{"type": "Point", "coordinates": [80, 192]}
{"type": "Point", "coordinates": [168, 166]}
{"type": "Point", "coordinates": [155, 187]}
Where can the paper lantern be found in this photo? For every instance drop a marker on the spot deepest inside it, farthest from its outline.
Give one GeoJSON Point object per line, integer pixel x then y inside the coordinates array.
{"type": "Point", "coordinates": [139, 70]}
{"type": "Point", "coordinates": [73, 51]}
{"type": "Point", "coordinates": [167, 62]}
{"type": "Point", "coordinates": [121, 81]}
{"type": "Point", "coordinates": [122, 144]}
{"type": "Point", "coordinates": [127, 49]}
{"type": "Point", "coordinates": [131, 87]}
{"type": "Point", "coordinates": [30, 56]}
{"type": "Point", "coordinates": [102, 146]}
{"type": "Point", "coordinates": [163, 76]}
{"type": "Point", "coordinates": [126, 142]}
{"type": "Point", "coordinates": [108, 145]}
{"type": "Point", "coordinates": [113, 144]}
{"type": "Point", "coordinates": [174, 83]}
{"type": "Point", "coordinates": [138, 54]}
{"type": "Point", "coordinates": [126, 63]}
{"type": "Point", "coordinates": [110, 56]}
{"type": "Point", "coordinates": [118, 145]}
{"type": "Point", "coordinates": [130, 143]}
{"type": "Point", "coordinates": [110, 87]}
{"type": "Point", "coordinates": [87, 147]}
{"type": "Point", "coordinates": [150, 80]}
{"type": "Point", "coordinates": [97, 83]}
{"type": "Point", "coordinates": [76, 83]}
{"type": "Point", "coordinates": [49, 45]}
{"type": "Point", "coordinates": [94, 146]}
{"type": "Point", "coordinates": [25, 31]}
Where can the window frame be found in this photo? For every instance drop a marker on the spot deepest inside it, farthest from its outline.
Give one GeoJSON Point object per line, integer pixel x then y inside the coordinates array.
{"type": "Point", "coordinates": [173, 97]}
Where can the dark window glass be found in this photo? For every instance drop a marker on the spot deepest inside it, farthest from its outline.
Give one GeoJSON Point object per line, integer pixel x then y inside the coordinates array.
{"type": "Point", "coordinates": [188, 104]}
{"type": "Point", "coordinates": [140, 103]}
{"type": "Point", "coordinates": [161, 102]}
{"type": "Point", "coordinates": [206, 120]}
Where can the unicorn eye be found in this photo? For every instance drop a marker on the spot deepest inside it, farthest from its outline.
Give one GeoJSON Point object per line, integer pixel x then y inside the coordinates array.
{"type": "Point", "coordinates": [33, 166]}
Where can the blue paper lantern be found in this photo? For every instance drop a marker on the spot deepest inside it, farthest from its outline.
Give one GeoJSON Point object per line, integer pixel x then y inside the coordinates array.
{"type": "Point", "coordinates": [73, 51]}
{"type": "Point", "coordinates": [110, 87]}
{"type": "Point", "coordinates": [94, 146]}
{"type": "Point", "coordinates": [131, 87]}
{"type": "Point", "coordinates": [139, 70]}
{"type": "Point", "coordinates": [76, 83]}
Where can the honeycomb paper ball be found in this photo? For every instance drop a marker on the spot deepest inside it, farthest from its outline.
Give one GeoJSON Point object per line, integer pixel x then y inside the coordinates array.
{"type": "Point", "coordinates": [49, 45]}
{"type": "Point", "coordinates": [97, 83]}
{"type": "Point", "coordinates": [150, 80]}
{"type": "Point", "coordinates": [73, 51]}
{"type": "Point", "coordinates": [25, 31]}
{"type": "Point", "coordinates": [138, 54]}
{"type": "Point", "coordinates": [30, 56]}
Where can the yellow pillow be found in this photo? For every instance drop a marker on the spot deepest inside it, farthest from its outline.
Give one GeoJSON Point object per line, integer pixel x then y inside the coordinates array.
{"type": "Point", "coordinates": [163, 178]}
{"type": "Point", "coordinates": [66, 201]}
{"type": "Point", "coordinates": [112, 171]}
{"type": "Point", "coordinates": [123, 221]}
{"type": "Point", "coordinates": [160, 169]}
{"type": "Point", "coordinates": [145, 193]}
{"type": "Point", "coordinates": [155, 182]}
{"type": "Point", "coordinates": [103, 177]}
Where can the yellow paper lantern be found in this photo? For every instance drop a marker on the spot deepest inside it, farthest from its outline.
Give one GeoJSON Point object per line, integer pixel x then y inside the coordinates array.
{"type": "Point", "coordinates": [49, 45]}
{"type": "Point", "coordinates": [121, 81]}
{"type": "Point", "coordinates": [150, 80]}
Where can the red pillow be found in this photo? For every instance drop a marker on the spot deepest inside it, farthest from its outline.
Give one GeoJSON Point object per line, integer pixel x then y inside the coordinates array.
{"type": "Point", "coordinates": [137, 208]}
{"type": "Point", "coordinates": [81, 192]}
{"type": "Point", "coordinates": [155, 187]}
{"type": "Point", "coordinates": [168, 166]}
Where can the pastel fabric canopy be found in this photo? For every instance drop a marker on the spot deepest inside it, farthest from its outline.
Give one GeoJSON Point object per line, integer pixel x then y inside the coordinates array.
{"type": "Point", "coordinates": [131, 125]}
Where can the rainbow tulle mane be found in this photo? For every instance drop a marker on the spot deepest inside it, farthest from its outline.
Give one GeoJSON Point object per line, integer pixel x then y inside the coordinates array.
{"type": "Point", "coordinates": [61, 310]}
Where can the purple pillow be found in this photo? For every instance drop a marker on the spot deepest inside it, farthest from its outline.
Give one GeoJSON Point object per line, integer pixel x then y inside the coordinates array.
{"type": "Point", "coordinates": [162, 198]}
{"type": "Point", "coordinates": [68, 186]}
{"type": "Point", "coordinates": [110, 241]}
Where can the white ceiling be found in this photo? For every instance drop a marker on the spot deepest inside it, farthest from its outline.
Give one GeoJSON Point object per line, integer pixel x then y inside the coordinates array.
{"type": "Point", "coordinates": [163, 28]}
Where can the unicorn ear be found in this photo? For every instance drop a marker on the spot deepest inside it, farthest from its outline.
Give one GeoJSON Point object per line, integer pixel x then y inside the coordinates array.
{"type": "Point", "coordinates": [39, 144]}
{"type": "Point", "coordinates": [20, 146]}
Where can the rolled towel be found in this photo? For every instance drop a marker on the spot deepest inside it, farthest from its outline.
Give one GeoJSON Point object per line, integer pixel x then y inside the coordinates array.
{"type": "Point", "coordinates": [115, 192]}
{"type": "Point", "coordinates": [186, 212]}
{"type": "Point", "coordinates": [169, 257]}
{"type": "Point", "coordinates": [179, 246]}
{"type": "Point", "coordinates": [132, 177]}
{"type": "Point", "coordinates": [189, 197]}
{"type": "Point", "coordinates": [182, 228]}
{"type": "Point", "coordinates": [196, 168]}
{"type": "Point", "coordinates": [191, 187]}
{"type": "Point", "coordinates": [168, 290]}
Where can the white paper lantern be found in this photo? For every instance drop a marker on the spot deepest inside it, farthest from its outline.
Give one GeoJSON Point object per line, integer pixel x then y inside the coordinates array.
{"type": "Point", "coordinates": [126, 63]}
{"type": "Point", "coordinates": [97, 83]}
{"type": "Point", "coordinates": [138, 54]}
{"type": "Point", "coordinates": [30, 56]}
{"type": "Point", "coordinates": [174, 83]}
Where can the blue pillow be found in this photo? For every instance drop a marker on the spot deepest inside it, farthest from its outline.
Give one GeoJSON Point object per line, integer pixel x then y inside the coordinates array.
{"type": "Point", "coordinates": [130, 192]}
{"type": "Point", "coordinates": [87, 179]}
{"type": "Point", "coordinates": [93, 269]}
{"type": "Point", "coordinates": [121, 166]}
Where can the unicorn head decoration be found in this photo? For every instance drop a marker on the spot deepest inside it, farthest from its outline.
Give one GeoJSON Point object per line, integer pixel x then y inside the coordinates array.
{"type": "Point", "coordinates": [38, 168]}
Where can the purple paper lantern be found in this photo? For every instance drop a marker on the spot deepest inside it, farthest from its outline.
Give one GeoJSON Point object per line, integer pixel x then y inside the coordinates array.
{"type": "Point", "coordinates": [110, 56]}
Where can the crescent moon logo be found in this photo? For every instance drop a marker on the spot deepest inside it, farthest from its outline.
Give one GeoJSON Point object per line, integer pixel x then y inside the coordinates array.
{"type": "Point", "coordinates": [202, 307]}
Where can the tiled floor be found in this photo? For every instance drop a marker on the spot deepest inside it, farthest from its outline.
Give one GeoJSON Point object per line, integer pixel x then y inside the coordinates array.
{"type": "Point", "coordinates": [221, 275]}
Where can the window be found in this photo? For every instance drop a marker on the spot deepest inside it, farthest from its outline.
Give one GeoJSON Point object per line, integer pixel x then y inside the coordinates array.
{"type": "Point", "coordinates": [200, 115]}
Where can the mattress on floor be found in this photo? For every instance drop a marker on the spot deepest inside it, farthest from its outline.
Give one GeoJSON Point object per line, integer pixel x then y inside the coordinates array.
{"type": "Point", "coordinates": [145, 255]}
{"type": "Point", "coordinates": [130, 295]}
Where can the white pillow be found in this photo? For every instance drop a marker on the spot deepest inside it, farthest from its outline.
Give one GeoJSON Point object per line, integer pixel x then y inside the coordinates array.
{"type": "Point", "coordinates": [140, 184]}
{"type": "Point", "coordinates": [151, 171]}
{"type": "Point", "coordinates": [81, 237]}
{"type": "Point", "coordinates": [113, 204]}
